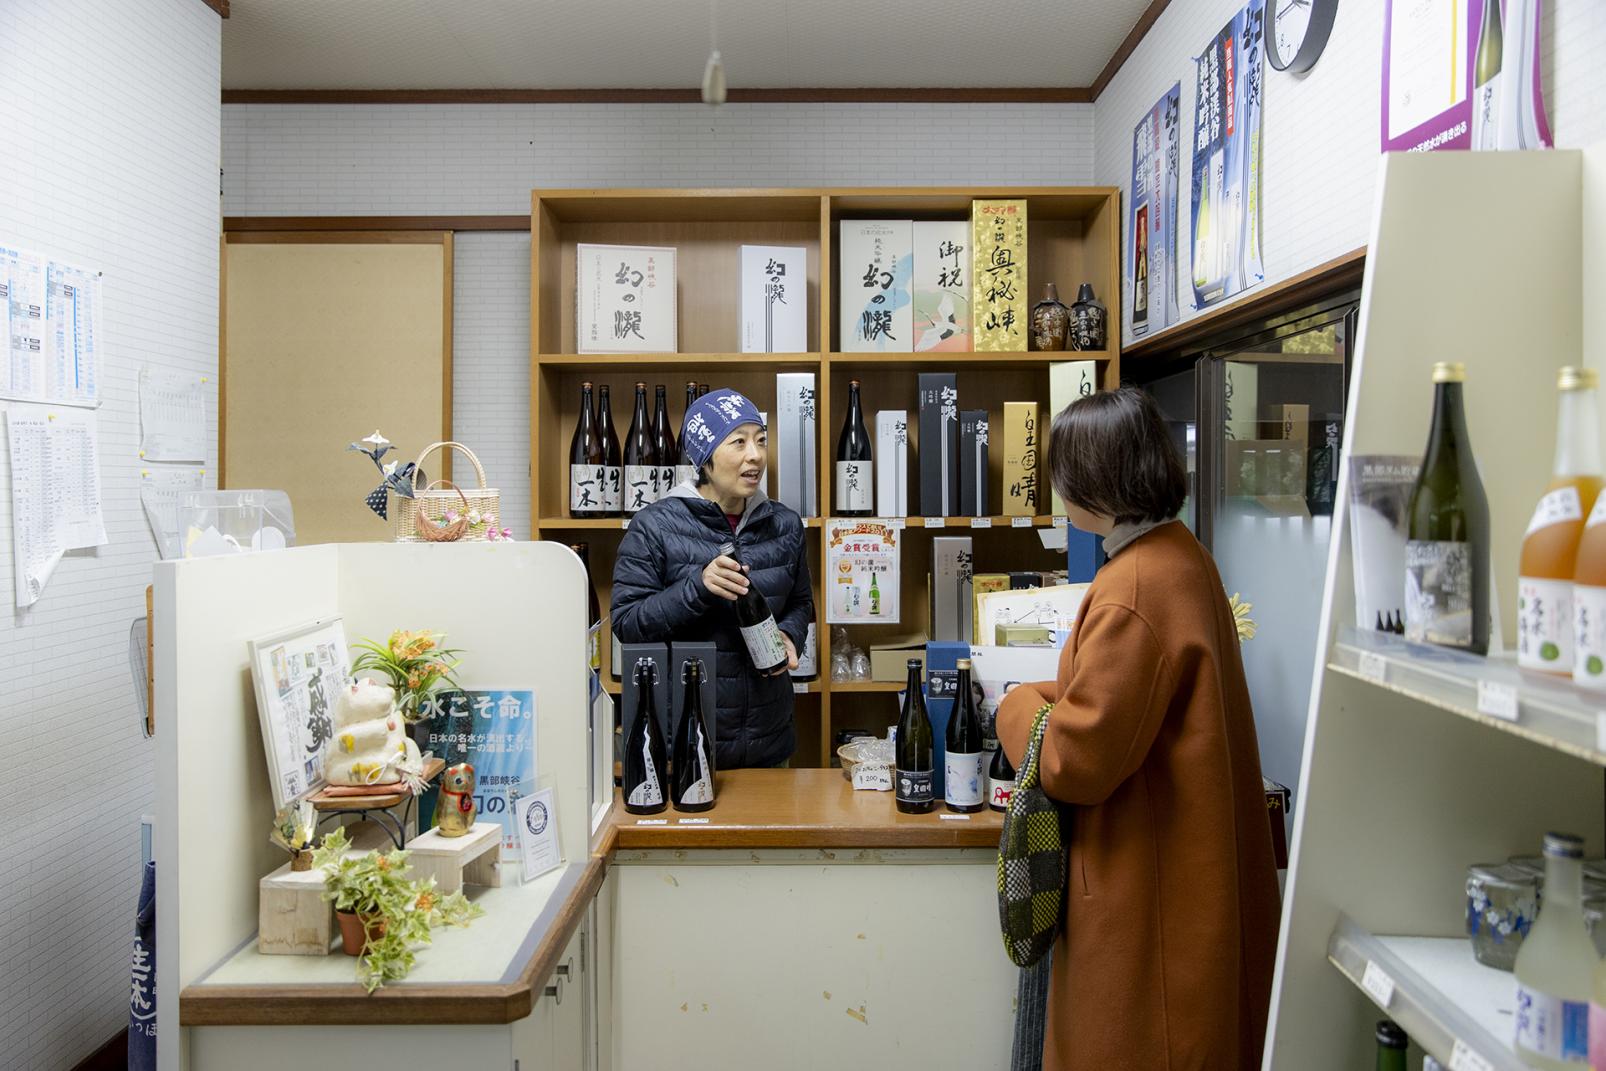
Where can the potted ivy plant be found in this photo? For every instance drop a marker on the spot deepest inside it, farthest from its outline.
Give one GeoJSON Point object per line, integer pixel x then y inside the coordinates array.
{"type": "Point", "coordinates": [383, 915]}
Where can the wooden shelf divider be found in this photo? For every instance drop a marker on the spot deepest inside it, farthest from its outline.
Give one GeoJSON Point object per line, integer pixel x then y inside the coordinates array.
{"type": "Point", "coordinates": [1073, 237]}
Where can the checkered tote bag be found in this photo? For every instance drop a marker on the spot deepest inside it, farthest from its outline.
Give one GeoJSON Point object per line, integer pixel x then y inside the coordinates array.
{"type": "Point", "coordinates": [1032, 864]}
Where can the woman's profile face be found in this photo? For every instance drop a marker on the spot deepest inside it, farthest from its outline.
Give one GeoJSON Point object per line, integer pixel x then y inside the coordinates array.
{"type": "Point", "coordinates": [736, 469]}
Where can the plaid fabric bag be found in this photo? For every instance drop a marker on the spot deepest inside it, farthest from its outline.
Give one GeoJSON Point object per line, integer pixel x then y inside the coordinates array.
{"type": "Point", "coordinates": [1032, 862]}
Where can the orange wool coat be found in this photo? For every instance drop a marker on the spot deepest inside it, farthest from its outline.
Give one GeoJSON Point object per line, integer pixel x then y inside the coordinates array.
{"type": "Point", "coordinates": [1165, 961]}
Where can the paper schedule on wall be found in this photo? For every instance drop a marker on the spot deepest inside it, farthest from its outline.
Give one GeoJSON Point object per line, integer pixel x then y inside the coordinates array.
{"type": "Point", "coordinates": [50, 316]}
{"type": "Point", "coordinates": [160, 490]}
{"type": "Point", "coordinates": [55, 491]}
{"type": "Point", "coordinates": [172, 415]}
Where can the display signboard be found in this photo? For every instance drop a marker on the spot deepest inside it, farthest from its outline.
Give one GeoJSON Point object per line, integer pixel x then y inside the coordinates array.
{"type": "Point", "coordinates": [1151, 250]}
{"type": "Point", "coordinates": [1229, 83]}
{"type": "Point", "coordinates": [861, 572]}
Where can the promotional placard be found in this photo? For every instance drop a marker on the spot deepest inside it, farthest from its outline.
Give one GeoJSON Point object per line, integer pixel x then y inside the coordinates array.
{"type": "Point", "coordinates": [1151, 248]}
{"type": "Point", "coordinates": [1227, 151]}
{"type": "Point", "coordinates": [861, 570]}
{"type": "Point", "coordinates": [492, 730]}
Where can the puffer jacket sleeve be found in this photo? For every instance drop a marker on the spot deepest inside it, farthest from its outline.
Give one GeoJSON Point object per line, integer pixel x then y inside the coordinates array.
{"type": "Point", "coordinates": [646, 606]}
{"type": "Point", "coordinates": [798, 613]}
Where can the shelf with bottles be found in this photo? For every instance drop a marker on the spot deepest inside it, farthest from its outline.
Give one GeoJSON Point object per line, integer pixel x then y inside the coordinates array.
{"type": "Point", "coordinates": [1072, 236]}
{"type": "Point", "coordinates": [842, 363]}
{"type": "Point", "coordinates": [1547, 710]}
{"type": "Point", "coordinates": [1451, 1005]}
{"type": "Point", "coordinates": [619, 524]}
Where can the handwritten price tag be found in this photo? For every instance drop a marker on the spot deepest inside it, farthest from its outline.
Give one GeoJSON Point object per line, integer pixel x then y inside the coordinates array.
{"type": "Point", "coordinates": [1373, 667]}
{"type": "Point", "coordinates": [1020, 522]}
{"type": "Point", "coordinates": [1463, 1058]}
{"type": "Point", "coordinates": [1378, 985]}
{"type": "Point", "coordinates": [872, 778]}
{"type": "Point", "coordinates": [954, 817]}
{"type": "Point", "coordinates": [652, 821]}
{"type": "Point", "coordinates": [981, 522]}
{"type": "Point", "coordinates": [1497, 700]}
{"type": "Point", "coordinates": [936, 522]}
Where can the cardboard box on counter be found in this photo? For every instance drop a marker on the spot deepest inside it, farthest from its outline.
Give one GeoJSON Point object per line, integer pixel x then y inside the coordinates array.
{"type": "Point", "coordinates": [889, 662]}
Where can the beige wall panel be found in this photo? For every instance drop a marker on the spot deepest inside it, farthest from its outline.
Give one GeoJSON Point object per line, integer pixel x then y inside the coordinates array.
{"type": "Point", "coordinates": [324, 342]}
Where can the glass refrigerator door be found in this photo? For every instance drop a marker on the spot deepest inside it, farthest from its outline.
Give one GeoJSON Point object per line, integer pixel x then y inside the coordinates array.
{"type": "Point", "coordinates": [1273, 416]}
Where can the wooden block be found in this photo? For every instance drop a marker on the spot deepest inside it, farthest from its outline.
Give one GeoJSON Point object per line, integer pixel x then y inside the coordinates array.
{"type": "Point", "coordinates": [455, 861]}
{"type": "Point", "coordinates": [293, 919]}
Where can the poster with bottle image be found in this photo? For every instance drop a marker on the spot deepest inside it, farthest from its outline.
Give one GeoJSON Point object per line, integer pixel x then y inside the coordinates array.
{"type": "Point", "coordinates": [861, 569]}
{"type": "Point", "coordinates": [1227, 151]}
{"type": "Point", "coordinates": [1151, 251]}
{"type": "Point", "coordinates": [1463, 74]}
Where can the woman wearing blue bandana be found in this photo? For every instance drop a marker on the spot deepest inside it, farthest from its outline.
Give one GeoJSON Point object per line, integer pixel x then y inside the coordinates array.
{"type": "Point", "coordinates": [670, 581]}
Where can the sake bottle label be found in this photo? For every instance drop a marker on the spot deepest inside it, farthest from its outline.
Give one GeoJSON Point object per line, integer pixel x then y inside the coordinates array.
{"type": "Point", "coordinates": [1438, 592]}
{"type": "Point", "coordinates": [1545, 624]}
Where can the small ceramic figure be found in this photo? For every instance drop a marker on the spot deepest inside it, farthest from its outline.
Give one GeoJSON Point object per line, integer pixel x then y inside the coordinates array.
{"type": "Point", "coordinates": [370, 745]}
{"type": "Point", "coordinates": [1050, 321]}
{"type": "Point", "coordinates": [454, 811]}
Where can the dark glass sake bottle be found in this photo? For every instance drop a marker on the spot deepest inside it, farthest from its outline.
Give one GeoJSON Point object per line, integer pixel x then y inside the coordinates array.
{"type": "Point", "coordinates": [963, 775]}
{"type": "Point", "coordinates": [593, 609]}
{"type": "Point", "coordinates": [586, 476]}
{"type": "Point", "coordinates": [855, 488]}
{"type": "Point", "coordinates": [1447, 537]}
{"type": "Point", "coordinates": [914, 780]}
{"type": "Point", "coordinates": [702, 389]}
{"type": "Point", "coordinates": [1391, 1046]}
{"type": "Point", "coordinates": [641, 459]}
{"type": "Point", "coordinates": [643, 760]}
{"type": "Point", "coordinates": [663, 441]}
{"type": "Point", "coordinates": [613, 490]}
{"type": "Point", "coordinates": [1000, 781]}
{"type": "Point", "coordinates": [757, 624]}
{"type": "Point", "coordinates": [684, 469]}
{"type": "Point", "coordinates": [692, 759]}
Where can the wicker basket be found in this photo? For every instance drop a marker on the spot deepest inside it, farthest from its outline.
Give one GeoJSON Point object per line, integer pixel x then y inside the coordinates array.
{"type": "Point", "coordinates": [434, 501]}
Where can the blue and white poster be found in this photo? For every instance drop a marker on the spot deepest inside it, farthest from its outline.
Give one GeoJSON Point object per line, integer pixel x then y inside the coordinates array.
{"type": "Point", "coordinates": [1228, 85]}
{"type": "Point", "coordinates": [494, 732]}
{"type": "Point", "coordinates": [1151, 246]}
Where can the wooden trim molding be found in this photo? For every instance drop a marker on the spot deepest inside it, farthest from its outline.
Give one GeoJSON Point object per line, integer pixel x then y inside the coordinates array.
{"type": "Point", "coordinates": [1140, 30]}
{"type": "Point", "coordinates": [866, 95]}
{"type": "Point", "coordinates": [238, 225]}
{"type": "Point", "coordinates": [220, 6]}
{"type": "Point", "coordinates": [1336, 274]}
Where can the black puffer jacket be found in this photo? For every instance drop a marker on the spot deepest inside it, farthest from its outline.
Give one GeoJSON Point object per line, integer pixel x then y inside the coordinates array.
{"type": "Point", "coordinates": [658, 596]}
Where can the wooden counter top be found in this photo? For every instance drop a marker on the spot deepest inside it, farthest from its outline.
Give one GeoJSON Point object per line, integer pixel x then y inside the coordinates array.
{"type": "Point", "coordinates": [802, 809]}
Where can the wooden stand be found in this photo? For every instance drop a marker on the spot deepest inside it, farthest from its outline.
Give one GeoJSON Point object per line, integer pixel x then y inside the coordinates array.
{"type": "Point", "coordinates": [294, 919]}
{"type": "Point", "coordinates": [376, 805]}
{"type": "Point", "coordinates": [457, 861]}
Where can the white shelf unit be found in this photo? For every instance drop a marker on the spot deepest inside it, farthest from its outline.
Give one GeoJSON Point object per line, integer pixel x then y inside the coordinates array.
{"type": "Point", "coordinates": [1412, 768]}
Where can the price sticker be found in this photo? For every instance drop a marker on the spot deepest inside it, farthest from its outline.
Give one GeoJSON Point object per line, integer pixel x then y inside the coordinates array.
{"type": "Point", "coordinates": [954, 817]}
{"type": "Point", "coordinates": [1061, 522]}
{"type": "Point", "coordinates": [936, 522]}
{"type": "Point", "coordinates": [1464, 1058]}
{"type": "Point", "coordinates": [624, 523]}
{"type": "Point", "coordinates": [692, 821]}
{"type": "Point", "coordinates": [800, 689]}
{"type": "Point", "coordinates": [981, 522]}
{"type": "Point", "coordinates": [652, 821]}
{"type": "Point", "coordinates": [1378, 985]}
{"type": "Point", "coordinates": [872, 777]}
{"type": "Point", "coordinates": [895, 523]}
{"type": "Point", "coordinates": [1497, 700]}
{"type": "Point", "coordinates": [1373, 666]}
{"type": "Point", "coordinates": [1020, 522]}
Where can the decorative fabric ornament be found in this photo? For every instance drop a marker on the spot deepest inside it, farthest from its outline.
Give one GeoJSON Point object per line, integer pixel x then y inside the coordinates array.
{"type": "Point", "coordinates": [710, 420]}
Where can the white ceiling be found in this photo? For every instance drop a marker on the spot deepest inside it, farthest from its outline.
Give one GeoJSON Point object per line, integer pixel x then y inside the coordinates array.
{"type": "Point", "coordinates": [656, 44]}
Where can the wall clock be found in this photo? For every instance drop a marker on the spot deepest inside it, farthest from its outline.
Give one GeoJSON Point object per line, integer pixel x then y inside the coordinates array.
{"type": "Point", "coordinates": [1299, 32]}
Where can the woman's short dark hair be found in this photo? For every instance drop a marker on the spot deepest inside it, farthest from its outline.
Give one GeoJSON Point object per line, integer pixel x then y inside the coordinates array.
{"type": "Point", "coordinates": [1109, 453]}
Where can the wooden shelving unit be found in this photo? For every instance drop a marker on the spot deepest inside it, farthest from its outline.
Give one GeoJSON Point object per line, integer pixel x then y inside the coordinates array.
{"type": "Point", "coordinates": [1418, 761]}
{"type": "Point", "coordinates": [1073, 237]}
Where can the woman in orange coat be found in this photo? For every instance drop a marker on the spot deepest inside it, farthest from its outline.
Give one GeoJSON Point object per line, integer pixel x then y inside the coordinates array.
{"type": "Point", "coordinates": [1170, 931]}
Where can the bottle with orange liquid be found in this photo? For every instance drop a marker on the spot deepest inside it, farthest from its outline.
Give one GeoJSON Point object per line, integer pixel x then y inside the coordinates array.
{"type": "Point", "coordinates": [1550, 550]}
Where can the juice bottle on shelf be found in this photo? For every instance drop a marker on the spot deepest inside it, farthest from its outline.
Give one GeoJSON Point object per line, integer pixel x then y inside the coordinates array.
{"type": "Point", "coordinates": [1589, 578]}
{"type": "Point", "coordinates": [1556, 967]}
{"type": "Point", "coordinates": [1545, 608]}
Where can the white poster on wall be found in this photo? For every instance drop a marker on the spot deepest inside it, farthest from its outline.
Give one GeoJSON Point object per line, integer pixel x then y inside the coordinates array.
{"type": "Point", "coordinates": [1151, 250]}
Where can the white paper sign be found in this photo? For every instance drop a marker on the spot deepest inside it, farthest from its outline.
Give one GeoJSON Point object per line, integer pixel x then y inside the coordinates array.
{"type": "Point", "coordinates": [159, 492]}
{"type": "Point", "coordinates": [954, 817]}
{"type": "Point", "coordinates": [1020, 522]}
{"type": "Point", "coordinates": [873, 777]}
{"type": "Point", "coordinates": [55, 490]}
{"type": "Point", "coordinates": [172, 415]}
{"type": "Point", "coordinates": [981, 522]}
{"type": "Point", "coordinates": [936, 522]}
{"type": "Point", "coordinates": [861, 571]}
{"type": "Point", "coordinates": [1497, 700]}
{"type": "Point", "coordinates": [538, 833]}
{"type": "Point", "coordinates": [1378, 985]}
